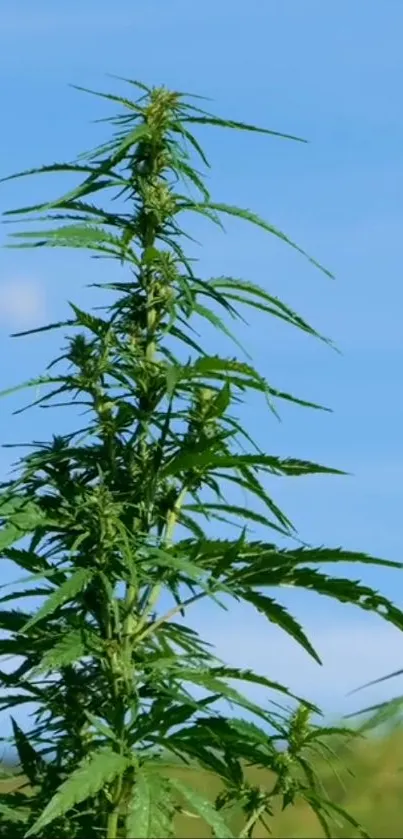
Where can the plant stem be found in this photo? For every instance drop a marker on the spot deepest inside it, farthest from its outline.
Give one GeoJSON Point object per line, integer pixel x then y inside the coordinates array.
{"type": "Point", "coordinates": [155, 592]}
{"type": "Point", "coordinates": [112, 824]}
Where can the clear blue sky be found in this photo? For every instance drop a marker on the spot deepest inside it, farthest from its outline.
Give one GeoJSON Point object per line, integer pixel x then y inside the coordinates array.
{"type": "Point", "coordinates": [330, 72]}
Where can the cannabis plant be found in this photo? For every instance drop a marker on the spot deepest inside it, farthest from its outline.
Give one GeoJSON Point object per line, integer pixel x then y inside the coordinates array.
{"type": "Point", "coordinates": [116, 525]}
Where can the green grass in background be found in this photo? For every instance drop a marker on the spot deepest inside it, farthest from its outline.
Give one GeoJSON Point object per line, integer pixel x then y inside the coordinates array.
{"type": "Point", "coordinates": [373, 794]}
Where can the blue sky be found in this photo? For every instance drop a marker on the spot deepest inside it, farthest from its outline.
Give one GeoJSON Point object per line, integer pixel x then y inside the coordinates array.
{"type": "Point", "coordinates": [330, 73]}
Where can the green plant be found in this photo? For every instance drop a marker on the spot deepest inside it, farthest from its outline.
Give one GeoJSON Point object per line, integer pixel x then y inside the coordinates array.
{"type": "Point", "coordinates": [93, 519]}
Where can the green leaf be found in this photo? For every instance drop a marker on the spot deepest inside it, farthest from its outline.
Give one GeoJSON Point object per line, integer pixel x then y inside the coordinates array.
{"type": "Point", "coordinates": [230, 509]}
{"type": "Point", "coordinates": [247, 215]}
{"type": "Point", "coordinates": [12, 620]}
{"type": "Point", "coordinates": [254, 678]}
{"type": "Point", "coordinates": [258, 298]}
{"type": "Point", "coordinates": [32, 762]}
{"type": "Point", "coordinates": [212, 679]}
{"type": "Point", "coordinates": [149, 812]}
{"type": "Point", "coordinates": [40, 380]}
{"type": "Point", "coordinates": [210, 119]}
{"type": "Point", "coordinates": [207, 314]}
{"type": "Point", "coordinates": [78, 236]}
{"type": "Point", "coordinates": [76, 583]}
{"type": "Point", "coordinates": [329, 555]}
{"type": "Point", "coordinates": [95, 773]}
{"type": "Point", "coordinates": [204, 808]}
{"type": "Point", "coordinates": [277, 613]}
{"type": "Point", "coordinates": [13, 814]}
{"type": "Point", "coordinates": [69, 649]}
{"type": "Point", "coordinates": [378, 681]}
{"type": "Point", "coordinates": [21, 516]}
{"type": "Point", "coordinates": [334, 809]}
{"type": "Point", "coordinates": [289, 466]}
{"type": "Point", "coordinates": [30, 592]}
{"type": "Point", "coordinates": [349, 591]}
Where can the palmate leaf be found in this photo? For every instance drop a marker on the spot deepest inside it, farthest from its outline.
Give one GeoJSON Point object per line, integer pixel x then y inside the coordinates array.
{"type": "Point", "coordinates": [387, 712]}
{"type": "Point", "coordinates": [77, 236]}
{"type": "Point", "coordinates": [203, 807]}
{"type": "Point", "coordinates": [237, 741]}
{"type": "Point", "coordinates": [349, 591]}
{"type": "Point", "coordinates": [13, 620]}
{"type": "Point", "coordinates": [210, 119]}
{"type": "Point", "coordinates": [192, 751]}
{"type": "Point", "coordinates": [323, 807]}
{"type": "Point", "coordinates": [54, 167]}
{"type": "Point", "coordinates": [20, 516]}
{"type": "Point", "coordinates": [229, 509]}
{"type": "Point", "coordinates": [208, 365]}
{"type": "Point", "coordinates": [76, 583]}
{"type": "Point", "coordinates": [207, 314]}
{"type": "Point", "coordinates": [150, 811]}
{"type": "Point", "coordinates": [136, 685]}
{"type": "Point", "coordinates": [37, 382]}
{"type": "Point", "coordinates": [382, 712]}
{"type": "Point", "coordinates": [178, 563]}
{"type": "Point", "coordinates": [242, 735]}
{"type": "Point", "coordinates": [287, 466]}
{"type": "Point", "coordinates": [95, 773]}
{"type": "Point", "coordinates": [215, 678]}
{"type": "Point", "coordinates": [247, 215]}
{"type": "Point", "coordinates": [250, 482]}
{"type": "Point", "coordinates": [277, 613]}
{"type": "Point", "coordinates": [32, 763]}
{"type": "Point", "coordinates": [250, 294]}
{"type": "Point", "coordinates": [256, 679]}
{"type": "Point", "coordinates": [12, 814]}
{"type": "Point", "coordinates": [339, 588]}
{"type": "Point", "coordinates": [69, 649]}
{"type": "Point", "coordinates": [329, 555]}
{"type": "Point", "coordinates": [266, 557]}
{"type": "Point", "coordinates": [53, 216]}
{"type": "Point", "coordinates": [378, 680]}
{"type": "Point", "coordinates": [303, 403]}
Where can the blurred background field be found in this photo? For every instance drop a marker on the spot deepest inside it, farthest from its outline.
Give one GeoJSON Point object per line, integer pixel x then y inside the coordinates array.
{"type": "Point", "coordinates": [373, 794]}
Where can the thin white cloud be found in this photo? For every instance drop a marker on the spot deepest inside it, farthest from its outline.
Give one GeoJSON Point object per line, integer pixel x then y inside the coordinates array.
{"type": "Point", "coordinates": [22, 304]}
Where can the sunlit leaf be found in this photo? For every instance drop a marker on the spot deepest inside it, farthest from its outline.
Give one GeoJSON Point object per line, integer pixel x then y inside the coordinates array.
{"type": "Point", "coordinates": [98, 770]}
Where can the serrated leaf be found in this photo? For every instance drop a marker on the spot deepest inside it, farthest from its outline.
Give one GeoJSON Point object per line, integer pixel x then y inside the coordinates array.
{"type": "Point", "coordinates": [149, 812]}
{"type": "Point", "coordinates": [69, 649]}
{"type": "Point", "coordinates": [258, 298]}
{"type": "Point", "coordinates": [229, 509]}
{"type": "Point", "coordinates": [31, 592]}
{"type": "Point", "coordinates": [320, 804]}
{"type": "Point", "coordinates": [12, 620]}
{"type": "Point", "coordinates": [245, 675]}
{"type": "Point", "coordinates": [98, 770]}
{"type": "Point", "coordinates": [211, 119]}
{"type": "Point", "coordinates": [253, 218]}
{"type": "Point", "coordinates": [214, 680]}
{"type": "Point", "coordinates": [329, 555]}
{"type": "Point", "coordinates": [204, 808]}
{"type": "Point", "coordinates": [349, 591]}
{"type": "Point", "coordinates": [72, 586]}
{"type": "Point", "coordinates": [207, 314]}
{"type": "Point", "coordinates": [277, 613]}
{"type": "Point", "coordinates": [13, 814]}
{"type": "Point", "coordinates": [21, 516]}
{"type": "Point", "coordinates": [32, 762]}
{"type": "Point", "coordinates": [287, 466]}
